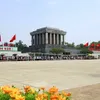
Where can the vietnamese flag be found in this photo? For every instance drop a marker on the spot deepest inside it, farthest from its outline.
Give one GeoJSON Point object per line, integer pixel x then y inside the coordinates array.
{"type": "Point", "coordinates": [86, 45]}
{"type": "Point", "coordinates": [92, 45]}
{"type": "Point", "coordinates": [13, 38]}
{"type": "Point", "coordinates": [98, 46]}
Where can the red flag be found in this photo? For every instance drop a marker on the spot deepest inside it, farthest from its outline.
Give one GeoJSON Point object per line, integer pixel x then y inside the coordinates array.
{"type": "Point", "coordinates": [0, 38]}
{"type": "Point", "coordinates": [92, 45]}
{"type": "Point", "coordinates": [13, 38]}
{"type": "Point", "coordinates": [86, 45]}
{"type": "Point", "coordinates": [98, 45]}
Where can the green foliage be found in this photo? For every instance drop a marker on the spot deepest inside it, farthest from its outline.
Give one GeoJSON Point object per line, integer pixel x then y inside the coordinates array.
{"type": "Point", "coordinates": [20, 45]}
{"type": "Point", "coordinates": [4, 96]}
{"type": "Point", "coordinates": [29, 97]}
{"type": "Point", "coordinates": [31, 93]}
{"type": "Point", "coordinates": [68, 98]}
{"type": "Point", "coordinates": [98, 41]}
{"type": "Point", "coordinates": [80, 46]}
{"type": "Point", "coordinates": [57, 50]}
{"type": "Point", "coordinates": [49, 96]}
{"type": "Point", "coordinates": [85, 51]}
{"type": "Point", "coordinates": [70, 44]}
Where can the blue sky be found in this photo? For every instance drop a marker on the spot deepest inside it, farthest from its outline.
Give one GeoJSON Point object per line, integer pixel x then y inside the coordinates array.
{"type": "Point", "coordinates": [80, 18]}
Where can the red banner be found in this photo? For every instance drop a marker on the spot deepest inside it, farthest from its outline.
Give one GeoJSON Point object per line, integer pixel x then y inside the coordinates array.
{"type": "Point", "coordinates": [86, 45]}
{"type": "Point", "coordinates": [13, 38]}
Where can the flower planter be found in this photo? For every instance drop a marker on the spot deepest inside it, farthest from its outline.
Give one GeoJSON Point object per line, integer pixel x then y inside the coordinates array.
{"type": "Point", "coordinates": [29, 93]}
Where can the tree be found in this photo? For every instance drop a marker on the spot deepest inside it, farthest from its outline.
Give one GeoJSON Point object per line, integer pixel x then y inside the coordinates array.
{"type": "Point", "coordinates": [66, 43]}
{"type": "Point", "coordinates": [20, 45]}
{"type": "Point", "coordinates": [98, 41]}
{"type": "Point", "coordinates": [83, 50]}
{"type": "Point", "coordinates": [80, 46]}
{"type": "Point", "coordinates": [86, 51]}
{"type": "Point", "coordinates": [70, 44]}
{"type": "Point", "coordinates": [95, 43]}
{"type": "Point", "coordinates": [57, 50]}
{"type": "Point", "coordinates": [73, 44]}
{"type": "Point", "coordinates": [5, 44]}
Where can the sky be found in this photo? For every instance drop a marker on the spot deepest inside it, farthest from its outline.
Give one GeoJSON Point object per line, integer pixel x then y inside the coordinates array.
{"type": "Point", "coordinates": [79, 18]}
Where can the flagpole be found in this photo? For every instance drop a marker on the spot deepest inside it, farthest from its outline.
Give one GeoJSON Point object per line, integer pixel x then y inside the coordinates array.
{"type": "Point", "coordinates": [0, 40]}
{"type": "Point", "coordinates": [2, 44]}
{"type": "Point", "coordinates": [15, 41]}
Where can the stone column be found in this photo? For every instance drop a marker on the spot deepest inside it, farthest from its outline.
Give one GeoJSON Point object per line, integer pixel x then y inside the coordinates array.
{"type": "Point", "coordinates": [35, 39]}
{"type": "Point", "coordinates": [54, 38]}
{"type": "Point", "coordinates": [42, 38]}
{"type": "Point", "coordinates": [61, 39]}
{"type": "Point", "coordinates": [32, 39]}
{"type": "Point", "coordinates": [46, 38]}
{"type": "Point", "coordinates": [58, 39]}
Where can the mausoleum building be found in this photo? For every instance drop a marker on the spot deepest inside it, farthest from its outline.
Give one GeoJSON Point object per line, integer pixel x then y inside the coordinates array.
{"type": "Point", "coordinates": [44, 39]}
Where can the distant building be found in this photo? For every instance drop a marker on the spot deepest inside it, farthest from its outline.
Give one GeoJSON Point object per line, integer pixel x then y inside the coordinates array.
{"type": "Point", "coordinates": [9, 51]}
{"type": "Point", "coordinates": [44, 39]}
{"type": "Point", "coordinates": [96, 54]}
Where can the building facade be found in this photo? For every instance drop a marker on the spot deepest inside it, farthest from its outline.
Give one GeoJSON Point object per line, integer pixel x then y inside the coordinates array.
{"type": "Point", "coordinates": [96, 54]}
{"type": "Point", "coordinates": [44, 39]}
{"type": "Point", "coordinates": [9, 51]}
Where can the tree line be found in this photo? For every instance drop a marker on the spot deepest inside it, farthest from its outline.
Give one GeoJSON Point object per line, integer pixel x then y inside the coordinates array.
{"type": "Point", "coordinates": [84, 50]}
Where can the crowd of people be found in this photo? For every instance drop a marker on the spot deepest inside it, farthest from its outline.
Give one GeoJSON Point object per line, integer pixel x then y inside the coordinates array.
{"type": "Point", "coordinates": [15, 58]}
{"type": "Point", "coordinates": [46, 57]}
{"type": "Point", "coordinates": [63, 57]}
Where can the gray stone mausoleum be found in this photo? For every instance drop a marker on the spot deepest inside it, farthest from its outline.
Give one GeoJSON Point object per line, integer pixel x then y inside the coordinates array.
{"type": "Point", "coordinates": [44, 39]}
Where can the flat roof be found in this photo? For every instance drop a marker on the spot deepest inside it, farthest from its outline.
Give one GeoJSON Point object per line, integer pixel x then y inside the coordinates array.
{"type": "Point", "coordinates": [48, 29]}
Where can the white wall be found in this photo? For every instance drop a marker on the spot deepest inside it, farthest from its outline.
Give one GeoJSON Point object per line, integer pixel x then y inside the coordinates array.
{"type": "Point", "coordinates": [96, 54]}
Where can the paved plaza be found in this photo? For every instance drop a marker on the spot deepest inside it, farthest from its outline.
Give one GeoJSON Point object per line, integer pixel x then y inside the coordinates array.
{"type": "Point", "coordinates": [63, 74]}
